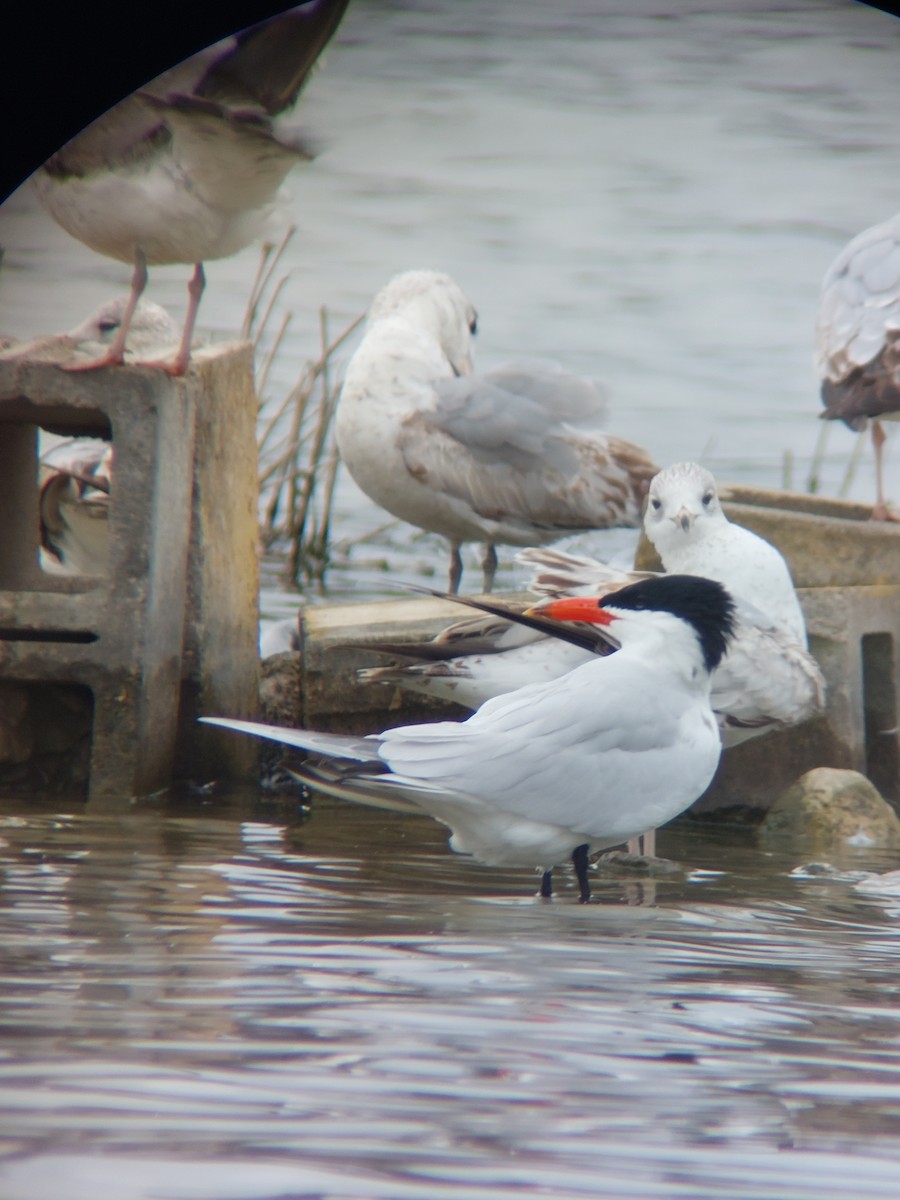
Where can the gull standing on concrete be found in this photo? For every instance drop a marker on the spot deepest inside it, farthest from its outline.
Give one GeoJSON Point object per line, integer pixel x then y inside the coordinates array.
{"type": "Point", "coordinates": [511, 457]}
{"type": "Point", "coordinates": [768, 679]}
{"type": "Point", "coordinates": [187, 169]}
{"type": "Point", "coordinates": [555, 771]}
{"type": "Point", "coordinates": [858, 339]}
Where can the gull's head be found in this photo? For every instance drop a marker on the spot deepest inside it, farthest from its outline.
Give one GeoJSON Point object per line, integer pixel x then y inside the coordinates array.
{"type": "Point", "coordinates": [437, 304]}
{"type": "Point", "coordinates": [682, 504]}
{"type": "Point", "coordinates": [649, 612]}
{"type": "Point", "coordinates": [150, 324]}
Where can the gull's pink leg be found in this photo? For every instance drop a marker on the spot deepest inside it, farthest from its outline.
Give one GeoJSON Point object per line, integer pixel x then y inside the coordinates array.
{"type": "Point", "coordinates": [643, 845]}
{"type": "Point", "coordinates": [115, 355]}
{"type": "Point", "coordinates": [179, 364]}
{"type": "Point", "coordinates": [882, 510]}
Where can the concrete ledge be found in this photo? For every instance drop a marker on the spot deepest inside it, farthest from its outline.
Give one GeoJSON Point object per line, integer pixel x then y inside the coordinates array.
{"type": "Point", "coordinates": [827, 543]}
{"type": "Point", "coordinates": [333, 642]}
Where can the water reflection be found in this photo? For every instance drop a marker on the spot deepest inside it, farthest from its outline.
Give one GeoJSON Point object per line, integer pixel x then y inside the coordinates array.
{"type": "Point", "coordinates": [241, 1000]}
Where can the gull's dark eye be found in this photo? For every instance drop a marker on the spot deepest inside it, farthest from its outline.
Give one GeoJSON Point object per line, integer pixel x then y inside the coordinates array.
{"type": "Point", "coordinates": [473, 326]}
{"type": "Point", "coordinates": [655, 504]}
{"type": "Point", "coordinates": [708, 499]}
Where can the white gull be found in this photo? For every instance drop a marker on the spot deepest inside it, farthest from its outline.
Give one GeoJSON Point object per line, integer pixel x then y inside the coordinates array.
{"type": "Point", "coordinates": [511, 457]}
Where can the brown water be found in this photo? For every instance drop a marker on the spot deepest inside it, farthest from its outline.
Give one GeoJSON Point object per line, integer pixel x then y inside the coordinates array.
{"type": "Point", "coordinates": [230, 999]}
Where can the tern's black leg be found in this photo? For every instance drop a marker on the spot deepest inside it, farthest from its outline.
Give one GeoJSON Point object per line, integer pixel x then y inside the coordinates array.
{"type": "Point", "coordinates": [580, 863]}
{"type": "Point", "coordinates": [547, 884]}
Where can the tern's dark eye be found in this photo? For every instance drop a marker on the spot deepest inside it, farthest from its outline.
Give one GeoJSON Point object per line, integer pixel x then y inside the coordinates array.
{"type": "Point", "coordinates": [708, 499]}
{"type": "Point", "coordinates": [655, 504]}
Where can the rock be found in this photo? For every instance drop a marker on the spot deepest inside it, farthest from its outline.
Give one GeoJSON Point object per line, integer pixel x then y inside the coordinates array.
{"type": "Point", "coordinates": [280, 696]}
{"type": "Point", "coordinates": [281, 703]}
{"type": "Point", "coordinates": [637, 864]}
{"type": "Point", "coordinates": [832, 807]}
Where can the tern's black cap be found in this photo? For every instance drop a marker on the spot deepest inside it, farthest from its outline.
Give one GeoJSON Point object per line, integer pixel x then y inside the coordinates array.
{"type": "Point", "coordinates": [703, 603]}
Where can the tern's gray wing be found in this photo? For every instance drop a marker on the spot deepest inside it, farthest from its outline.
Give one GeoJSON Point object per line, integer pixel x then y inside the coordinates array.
{"type": "Point", "coordinates": [515, 460]}
{"type": "Point", "coordinates": [595, 746]}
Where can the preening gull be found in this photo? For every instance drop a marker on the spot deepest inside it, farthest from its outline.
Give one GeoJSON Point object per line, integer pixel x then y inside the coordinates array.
{"type": "Point", "coordinates": [556, 770]}
{"type": "Point", "coordinates": [858, 339]}
{"type": "Point", "coordinates": [510, 457]}
{"type": "Point", "coordinates": [187, 169]}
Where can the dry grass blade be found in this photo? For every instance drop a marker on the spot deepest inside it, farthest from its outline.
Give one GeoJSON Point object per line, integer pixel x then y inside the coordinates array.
{"type": "Point", "coordinates": [299, 464]}
{"type": "Point", "coordinates": [261, 284]}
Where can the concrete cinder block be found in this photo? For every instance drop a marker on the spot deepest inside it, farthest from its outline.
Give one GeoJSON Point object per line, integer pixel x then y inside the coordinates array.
{"type": "Point", "coordinates": [854, 635]}
{"type": "Point", "coordinates": [119, 635]}
{"type": "Point", "coordinates": [220, 670]}
{"type": "Point", "coordinates": [124, 635]}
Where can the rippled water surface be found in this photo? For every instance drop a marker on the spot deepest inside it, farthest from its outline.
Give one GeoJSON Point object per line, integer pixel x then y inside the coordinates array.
{"type": "Point", "coordinates": [229, 1000]}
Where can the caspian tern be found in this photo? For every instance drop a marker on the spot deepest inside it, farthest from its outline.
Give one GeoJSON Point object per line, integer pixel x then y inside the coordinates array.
{"type": "Point", "coordinates": [557, 770]}
{"type": "Point", "coordinates": [768, 679]}
{"type": "Point", "coordinates": [511, 457]}
{"type": "Point", "coordinates": [187, 169]}
{"type": "Point", "coordinates": [858, 339]}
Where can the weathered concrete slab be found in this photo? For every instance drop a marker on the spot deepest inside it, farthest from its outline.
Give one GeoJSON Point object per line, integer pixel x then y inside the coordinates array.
{"type": "Point", "coordinates": [827, 543]}
{"type": "Point", "coordinates": [220, 669]}
{"type": "Point", "coordinates": [333, 640]}
{"type": "Point", "coordinates": [854, 635]}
